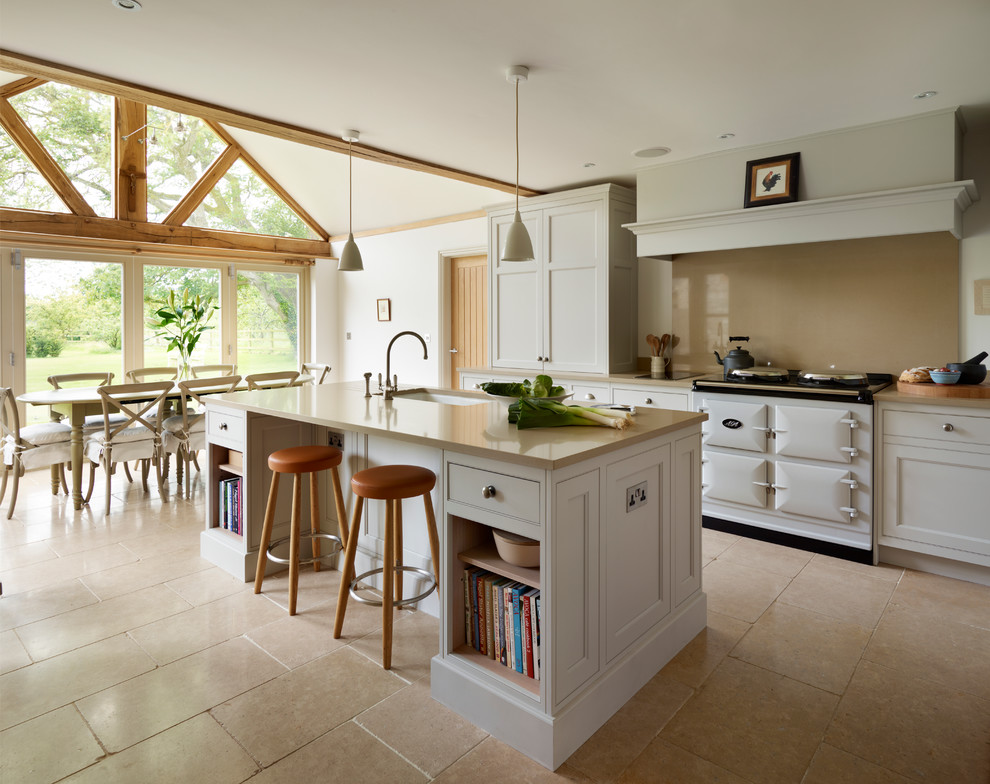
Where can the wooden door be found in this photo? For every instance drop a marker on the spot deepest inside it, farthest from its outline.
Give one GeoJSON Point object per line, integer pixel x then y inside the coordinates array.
{"type": "Point", "coordinates": [468, 314]}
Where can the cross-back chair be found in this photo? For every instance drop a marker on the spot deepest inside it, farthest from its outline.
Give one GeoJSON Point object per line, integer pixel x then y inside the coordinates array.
{"type": "Point", "coordinates": [317, 370]}
{"type": "Point", "coordinates": [277, 378]}
{"type": "Point", "coordinates": [185, 433]}
{"type": "Point", "coordinates": [205, 371]}
{"type": "Point", "coordinates": [63, 380]}
{"type": "Point", "coordinates": [136, 438]}
{"type": "Point", "coordinates": [142, 375]}
{"type": "Point", "coordinates": [24, 448]}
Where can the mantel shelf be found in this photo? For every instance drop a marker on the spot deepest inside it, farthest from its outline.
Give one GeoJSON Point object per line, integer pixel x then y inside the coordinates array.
{"type": "Point", "coordinates": [917, 210]}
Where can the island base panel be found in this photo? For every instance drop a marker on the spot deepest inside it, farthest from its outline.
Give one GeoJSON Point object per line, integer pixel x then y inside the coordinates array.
{"type": "Point", "coordinates": [551, 739]}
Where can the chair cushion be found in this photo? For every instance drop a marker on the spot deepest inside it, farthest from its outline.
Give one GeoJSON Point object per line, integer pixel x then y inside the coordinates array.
{"type": "Point", "coordinates": [49, 454]}
{"type": "Point", "coordinates": [46, 433]}
{"type": "Point", "coordinates": [173, 424]}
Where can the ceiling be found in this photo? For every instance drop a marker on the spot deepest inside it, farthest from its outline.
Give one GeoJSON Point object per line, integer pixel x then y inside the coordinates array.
{"type": "Point", "coordinates": [427, 80]}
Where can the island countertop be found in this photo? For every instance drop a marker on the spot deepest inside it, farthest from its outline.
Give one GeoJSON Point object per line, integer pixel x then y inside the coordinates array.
{"type": "Point", "coordinates": [480, 428]}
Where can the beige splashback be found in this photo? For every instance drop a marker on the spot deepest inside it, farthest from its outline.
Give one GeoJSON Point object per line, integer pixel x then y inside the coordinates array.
{"type": "Point", "coordinates": [879, 305]}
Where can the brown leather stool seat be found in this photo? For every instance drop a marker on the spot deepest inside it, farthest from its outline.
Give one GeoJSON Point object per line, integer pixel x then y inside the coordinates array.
{"type": "Point", "coordinates": [299, 460]}
{"type": "Point", "coordinates": [390, 483]}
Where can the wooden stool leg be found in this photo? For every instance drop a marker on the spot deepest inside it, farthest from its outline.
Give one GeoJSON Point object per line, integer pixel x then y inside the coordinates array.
{"type": "Point", "coordinates": [387, 579]}
{"type": "Point", "coordinates": [397, 538]}
{"type": "Point", "coordinates": [338, 499]}
{"type": "Point", "coordinates": [314, 518]}
{"type": "Point", "coordinates": [431, 530]}
{"type": "Point", "coordinates": [347, 570]}
{"type": "Point", "coordinates": [294, 542]}
{"type": "Point", "coordinates": [266, 533]}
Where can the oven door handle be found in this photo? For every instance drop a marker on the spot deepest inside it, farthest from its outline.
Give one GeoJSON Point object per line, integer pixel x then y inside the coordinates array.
{"type": "Point", "coordinates": [853, 423]}
{"type": "Point", "coordinates": [853, 451]}
{"type": "Point", "coordinates": [853, 484]}
{"type": "Point", "coordinates": [849, 511]}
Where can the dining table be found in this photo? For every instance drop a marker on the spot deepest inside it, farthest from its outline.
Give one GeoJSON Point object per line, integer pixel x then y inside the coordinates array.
{"type": "Point", "coordinates": [77, 403]}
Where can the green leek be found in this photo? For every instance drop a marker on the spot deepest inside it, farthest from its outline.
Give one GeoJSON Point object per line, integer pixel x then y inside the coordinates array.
{"type": "Point", "coordinates": [539, 412]}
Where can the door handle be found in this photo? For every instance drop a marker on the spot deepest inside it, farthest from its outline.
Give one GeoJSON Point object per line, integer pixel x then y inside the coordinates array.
{"type": "Point", "coordinates": [453, 351]}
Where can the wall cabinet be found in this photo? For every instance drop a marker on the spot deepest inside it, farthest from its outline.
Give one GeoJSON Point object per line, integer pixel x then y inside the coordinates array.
{"type": "Point", "coordinates": [571, 309]}
{"type": "Point", "coordinates": [935, 470]}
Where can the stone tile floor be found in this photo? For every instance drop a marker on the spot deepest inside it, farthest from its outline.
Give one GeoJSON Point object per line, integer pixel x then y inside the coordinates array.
{"type": "Point", "coordinates": [125, 657]}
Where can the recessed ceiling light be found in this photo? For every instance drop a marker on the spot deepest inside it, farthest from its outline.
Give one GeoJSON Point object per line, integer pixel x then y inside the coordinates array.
{"type": "Point", "coordinates": [925, 94]}
{"type": "Point", "coordinates": [127, 5]}
{"type": "Point", "coordinates": [651, 152]}
{"type": "Point", "coordinates": [726, 136]}
{"type": "Point", "coordinates": [588, 165]}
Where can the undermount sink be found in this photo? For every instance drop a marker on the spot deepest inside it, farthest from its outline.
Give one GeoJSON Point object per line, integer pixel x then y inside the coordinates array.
{"type": "Point", "coordinates": [446, 396]}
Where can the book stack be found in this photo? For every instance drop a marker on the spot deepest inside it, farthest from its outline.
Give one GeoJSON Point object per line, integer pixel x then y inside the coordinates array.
{"type": "Point", "coordinates": [230, 504]}
{"type": "Point", "coordinates": [502, 620]}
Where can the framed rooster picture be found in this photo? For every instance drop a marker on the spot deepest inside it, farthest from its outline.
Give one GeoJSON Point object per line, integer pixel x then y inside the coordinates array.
{"type": "Point", "coordinates": [772, 180]}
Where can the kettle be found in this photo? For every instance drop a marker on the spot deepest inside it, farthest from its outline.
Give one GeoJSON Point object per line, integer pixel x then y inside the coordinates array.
{"type": "Point", "coordinates": [737, 358]}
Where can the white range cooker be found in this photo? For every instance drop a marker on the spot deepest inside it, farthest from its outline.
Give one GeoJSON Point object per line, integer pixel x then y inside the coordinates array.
{"type": "Point", "coordinates": [787, 457]}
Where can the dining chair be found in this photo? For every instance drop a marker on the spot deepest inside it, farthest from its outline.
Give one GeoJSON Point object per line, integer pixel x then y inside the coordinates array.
{"type": "Point", "coordinates": [201, 371]}
{"type": "Point", "coordinates": [278, 378]}
{"type": "Point", "coordinates": [317, 370]}
{"type": "Point", "coordinates": [24, 448]}
{"type": "Point", "coordinates": [185, 433]}
{"type": "Point", "coordinates": [141, 375]}
{"type": "Point", "coordinates": [136, 438]}
{"type": "Point", "coordinates": [64, 380]}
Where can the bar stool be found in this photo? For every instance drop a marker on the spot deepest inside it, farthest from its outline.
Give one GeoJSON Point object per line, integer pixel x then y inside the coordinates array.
{"type": "Point", "coordinates": [390, 483]}
{"type": "Point", "coordinates": [299, 460]}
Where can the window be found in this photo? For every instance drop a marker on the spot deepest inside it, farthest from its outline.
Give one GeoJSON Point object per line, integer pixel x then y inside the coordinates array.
{"type": "Point", "coordinates": [21, 184]}
{"type": "Point", "coordinates": [158, 281]}
{"type": "Point", "coordinates": [267, 321]}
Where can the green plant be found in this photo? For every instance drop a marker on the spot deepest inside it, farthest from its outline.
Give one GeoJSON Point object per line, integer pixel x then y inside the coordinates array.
{"type": "Point", "coordinates": [183, 322]}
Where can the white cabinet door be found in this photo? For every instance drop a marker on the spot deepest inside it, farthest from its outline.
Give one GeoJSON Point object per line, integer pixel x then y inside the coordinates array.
{"type": "Point", "coordinates": [650, 397]}
{"type": "Point", "coordinates": [517, 299]}
{"type": "Point", "coordinates": [813, 491]}
{"type": "Point", "coordinates": [738, 479]}
{"type": "Point", "coordinates": [686, 518]}
{"type": "Point", "coordinates": [735, 424]}
{"type": "Point", "coordinates": [813, 433]}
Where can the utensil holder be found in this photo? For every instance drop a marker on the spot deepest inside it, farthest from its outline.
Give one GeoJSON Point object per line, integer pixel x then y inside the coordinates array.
{"type": "Point", "coordinates": [657, 367]}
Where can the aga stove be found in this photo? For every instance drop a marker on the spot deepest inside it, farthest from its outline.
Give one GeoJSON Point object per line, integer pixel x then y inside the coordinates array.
{"type": "Point", "coordinates": [787, 457]}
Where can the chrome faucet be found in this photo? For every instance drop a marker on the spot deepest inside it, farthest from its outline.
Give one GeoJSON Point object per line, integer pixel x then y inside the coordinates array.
{"type": "Point", "coordinates": [390, 384]}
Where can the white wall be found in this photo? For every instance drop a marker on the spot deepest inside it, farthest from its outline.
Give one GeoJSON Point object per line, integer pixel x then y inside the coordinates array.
{"type": "Point", "coordinates": [405, 267]}
{"type": "Point", "coordinates": [974, 250]}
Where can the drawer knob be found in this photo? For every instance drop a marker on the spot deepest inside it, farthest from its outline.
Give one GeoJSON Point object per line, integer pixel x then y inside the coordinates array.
{"type": "Point", "coordinates": [947, 427]}
{"type": "Point", "coordinates": [476, 386]}
{"type": "Point", "coordinates": [589, 396]}
{"type": "Point", "coordinates": [649, 401]}
{"type": "Point", "coordinates": [223, 425]}
{"type": "Point", "coordinates": [488, 491]}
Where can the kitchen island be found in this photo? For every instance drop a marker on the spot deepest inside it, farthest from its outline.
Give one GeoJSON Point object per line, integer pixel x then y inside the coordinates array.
{"type": "Point", "coordinates": [616, 513]}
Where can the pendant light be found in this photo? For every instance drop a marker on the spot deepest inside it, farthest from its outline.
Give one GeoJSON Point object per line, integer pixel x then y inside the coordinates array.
{"type": "Point", "coordinates": [350, 256]}
{"type": "Point", "coordinates": [518, 245]}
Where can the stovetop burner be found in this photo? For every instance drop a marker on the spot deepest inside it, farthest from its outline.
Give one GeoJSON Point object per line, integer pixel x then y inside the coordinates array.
{"type": "Point", "coordinates": [798, 382]}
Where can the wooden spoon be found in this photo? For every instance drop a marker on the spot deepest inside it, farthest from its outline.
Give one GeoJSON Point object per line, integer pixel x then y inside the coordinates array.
{"type": "Point", "coordinates": [651, 341]}
{"type": "Point", "coordinates": [663, 345]}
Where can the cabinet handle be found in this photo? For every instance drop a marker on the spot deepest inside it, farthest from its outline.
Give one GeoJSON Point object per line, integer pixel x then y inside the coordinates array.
{"type": "Point", "coordinates": [476, 386]}
{"type": "Point", "coordinates": [649, 401]}
{"type": "Point", "coordinates": [488, 491]}
{"type": "Point", "coordinates": [947, 427]}
{"type": "Point", "coordinates": [589, 396]}
{"type": "Point", "coordinates": [223, 425]}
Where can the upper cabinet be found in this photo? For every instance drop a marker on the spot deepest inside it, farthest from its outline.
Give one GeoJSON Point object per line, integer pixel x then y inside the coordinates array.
{"type": "Point", "coordinates": [573, 308]}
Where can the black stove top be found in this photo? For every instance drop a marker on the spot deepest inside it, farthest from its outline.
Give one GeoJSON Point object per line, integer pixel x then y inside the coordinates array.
{"type": "Point", "coordinates": [795, 386]}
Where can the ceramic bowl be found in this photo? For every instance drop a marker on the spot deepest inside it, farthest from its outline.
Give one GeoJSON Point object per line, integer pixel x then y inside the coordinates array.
{"type": "Point", "coordinates": [944, 376]}
{"type": "Point", "coordinates": [517, 550]}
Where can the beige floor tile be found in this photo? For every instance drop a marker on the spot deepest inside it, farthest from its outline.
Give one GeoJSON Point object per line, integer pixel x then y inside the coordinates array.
{"type": "Point", "coordinates": [304, 637]}
{"type": "Point", "coordinates": [25, 555]}
{"type": "Point", "coordinates": [624, 736]}
{"type": "Point", "coordinates": [193, 630]}
{"type": "Point", "coordinates": [832, 765]}
{"type": "Point", "coordinates": [804, 645]}
{"type": "Point", "coordinates": [699, 658]}
{"type": "Point", "coordinates": [839, 593]}
{"type": "Point", "coordinates": [13, 654]}
{"type": "Point", "coordinates": [27, 755]}
{"type": "Point", "coordinates": [773, 558]}
{"type": "Point", "coordinates": [933, 648]}
{"type": "Point", "coordinates": [713, 542]}
{"type": "Point", "coordinates": [315, 589]}
{"type": "Point", "coordinates": [166, 539]}
{"type": "Point", "coordinates": [31, 691]}
{"type": "Point", "coordinates": [86, 625]}
{"type": "Point", "coordinates": [419, 728]}
{"type": "Point", "coordinates": [955, 600]}
{"type": "Point", "coordinates": [880, 571]}
{"type": "Point", "coordinates": [919, 729]}
{"type": "Point", "coordinates": [97, 535]}
{"type": "Point", "coordinates": [664, 763]}
{"type": "Point", "coordinates": [282, 715]}
{"type": "Point", "coordinates": [348, 754]}
{"type": "Point", "coordinates": [415, 641]}
{"type": "Point", "coordinates": [740, 591]}
{"type": "Point", "coordinates": [207, 585]}
{"type": "Point", "coordinates": [25, 608]}
{"type": "Point", "coordinates": [156, 569]}
{"type": "Point", "coordinates": [493, 760]}
{"type": "Point", "coordinates": [755, 723]}
{"type": "Point", "coordinates": [197, 750]}
{"type": "Point", "coordinates": [39, 575]}
{"type": "Point", "coordinates": [144, 706]}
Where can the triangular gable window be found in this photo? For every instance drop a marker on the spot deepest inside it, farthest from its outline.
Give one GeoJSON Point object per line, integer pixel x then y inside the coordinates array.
{"type": "Point", "coordinates": [242, 201]}
{"type": "Point", "coordinates": [21, 184]}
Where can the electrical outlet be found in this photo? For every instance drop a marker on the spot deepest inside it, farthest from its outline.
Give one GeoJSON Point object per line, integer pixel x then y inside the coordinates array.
{"type": "Point", "coordinates": [635, 496]}
{"type": "Point", "coordinates": [348, 335]}
{"type": "Point", "coordinates": [335, 439]}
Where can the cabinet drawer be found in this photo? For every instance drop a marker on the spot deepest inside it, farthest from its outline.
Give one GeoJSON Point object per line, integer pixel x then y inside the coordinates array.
{"type": "Point", "coordinates": [950, 428]}
{"type": "Point", "coordinates": [512, 496]}
{"type": "Point", "coordinates": [650, 397]}
{"type": "Point", "coordinates": [225, 425]}
{"type": "Point", "coordinates": [587, 393]}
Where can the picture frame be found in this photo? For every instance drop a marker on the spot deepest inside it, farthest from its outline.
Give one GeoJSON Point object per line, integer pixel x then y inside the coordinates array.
{"type": "Point", "coordinates": [384, 310]}
{"type": "Point", "coordinates": [772, 180]}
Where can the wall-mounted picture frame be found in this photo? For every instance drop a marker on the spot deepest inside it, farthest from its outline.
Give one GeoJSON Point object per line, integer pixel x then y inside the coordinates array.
{"type": "Point", "coordinates": [384, 310]}
{"type": "Point", "coordinates": [772, 180]}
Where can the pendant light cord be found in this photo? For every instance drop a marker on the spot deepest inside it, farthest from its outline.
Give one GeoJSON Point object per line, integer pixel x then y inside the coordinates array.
{"type": "Point", "coordinates": [517, 145]}
{"type": "Point", "coordinates": [350, 198]}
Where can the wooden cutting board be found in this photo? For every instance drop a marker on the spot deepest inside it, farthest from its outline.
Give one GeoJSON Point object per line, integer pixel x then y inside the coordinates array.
{"type": "Point", "coordinates": [931, 389]}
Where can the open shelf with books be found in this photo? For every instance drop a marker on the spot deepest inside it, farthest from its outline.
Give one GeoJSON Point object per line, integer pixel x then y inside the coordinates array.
{"type": "Point", "coordinates": [227, 504]}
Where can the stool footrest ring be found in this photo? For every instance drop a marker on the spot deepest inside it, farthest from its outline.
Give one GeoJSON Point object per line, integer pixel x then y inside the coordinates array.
{"type": "Point", "coordinates": [356, 586]}
{"type": "Point", "coordinates": [305, 562]}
